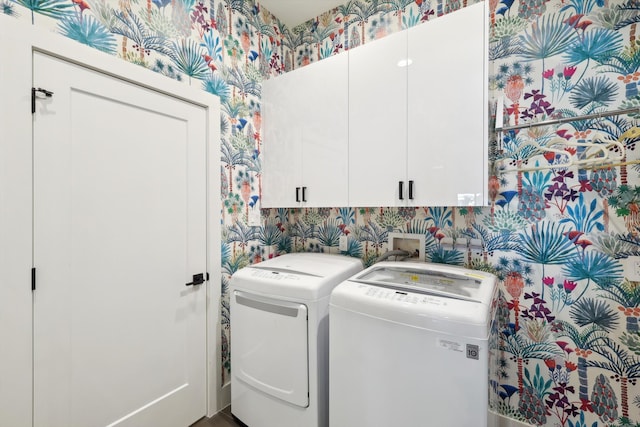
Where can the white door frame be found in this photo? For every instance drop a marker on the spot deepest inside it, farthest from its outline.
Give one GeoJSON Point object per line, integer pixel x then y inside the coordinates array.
{"type": "Point", "coordinates": [16, 65]}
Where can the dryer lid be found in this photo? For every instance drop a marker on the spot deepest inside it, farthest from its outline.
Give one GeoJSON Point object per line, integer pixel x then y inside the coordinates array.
{"type": "Point", "coordinates": [307, 276]}
{"type": "Point", "coordinates": [309, 264]}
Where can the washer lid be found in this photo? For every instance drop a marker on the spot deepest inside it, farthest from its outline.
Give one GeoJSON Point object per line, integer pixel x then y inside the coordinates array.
{"type": "Point", "coordinates": [308, 276]}
{"type": "Point", "coordinates": [433, 279]}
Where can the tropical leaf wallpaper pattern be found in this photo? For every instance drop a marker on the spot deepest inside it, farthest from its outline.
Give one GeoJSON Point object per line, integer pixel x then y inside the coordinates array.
{"type": "Point", "coordinates": [556, 236]}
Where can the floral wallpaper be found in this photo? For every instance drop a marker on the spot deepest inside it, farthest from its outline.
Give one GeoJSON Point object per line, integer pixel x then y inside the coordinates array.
{"type": "Point", "coordinates": [563, 226]}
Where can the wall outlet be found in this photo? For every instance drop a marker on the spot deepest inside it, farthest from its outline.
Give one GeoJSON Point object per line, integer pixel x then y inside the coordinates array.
{"type": "Point", "coordinates": [343, 244]}
{"type": "Point", "coordinates": [631, 267]}
{"type": "Point", "coordinates": [412, 243]}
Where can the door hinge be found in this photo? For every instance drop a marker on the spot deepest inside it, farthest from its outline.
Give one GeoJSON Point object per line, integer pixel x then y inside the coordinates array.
{"type": "Point", "coordinates": [34, 92]}
{"type": "Point", "coordinates": [33, 279]}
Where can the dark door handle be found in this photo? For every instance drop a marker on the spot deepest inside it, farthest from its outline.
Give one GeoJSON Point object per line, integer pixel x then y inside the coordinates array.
{"type": "Point", "coordinates": [401, 189]}
{"type": "Point", "coordinates": [198, 279]}
{"type": "Point", "coordinates": [410, 190]}
{"type": "Point", "coordinates": [304, 197]}
{"type": "Point", "coordinates": [297, 194]}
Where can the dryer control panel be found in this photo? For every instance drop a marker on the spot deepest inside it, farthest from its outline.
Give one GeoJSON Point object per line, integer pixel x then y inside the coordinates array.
{"type": "Point", "coordinates": [273, 275]}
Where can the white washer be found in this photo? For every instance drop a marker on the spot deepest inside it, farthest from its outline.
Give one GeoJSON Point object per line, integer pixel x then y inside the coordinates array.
{"type": "Point", "coordinates": [279, 338]}
{"type": "Point", "coordinates": [409, 346]}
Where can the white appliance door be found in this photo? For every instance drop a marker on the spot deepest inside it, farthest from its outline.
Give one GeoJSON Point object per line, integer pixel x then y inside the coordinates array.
{"type": "Point", "coordinates": [384, 373]}
{"type": "Point", "coordinates": [119, 228]}
{"type": "Point", "coordinates": [270, 346]}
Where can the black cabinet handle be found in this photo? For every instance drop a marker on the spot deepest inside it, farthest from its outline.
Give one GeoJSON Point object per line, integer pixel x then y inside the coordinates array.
{"type": "Point", "coordinates": [401, 189]}
{"type": "Point", "coordinates": [304, 197]}
{"type": "Point", "coordinates": [297, 194]}
{"type": "Point", "coordinates": [410, 190]}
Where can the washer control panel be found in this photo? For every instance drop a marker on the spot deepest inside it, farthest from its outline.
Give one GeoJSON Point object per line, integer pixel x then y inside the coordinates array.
{"type": "Point", "coordinates": [390, 294]}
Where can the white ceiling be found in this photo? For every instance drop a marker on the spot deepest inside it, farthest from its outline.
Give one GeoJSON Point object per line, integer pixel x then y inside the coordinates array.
{"type": "Point", "coordinates": [295, 12]}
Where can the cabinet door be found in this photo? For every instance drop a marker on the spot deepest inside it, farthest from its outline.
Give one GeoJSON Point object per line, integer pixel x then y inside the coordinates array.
{"type": "Point", "coordinates": [325, 132]}
{"type": "Point", "coordinates": [378, 121]}
{"type": "Point", "coordinates": [447, 101]}
{"type": "Point", "coordinates": [282, 153]}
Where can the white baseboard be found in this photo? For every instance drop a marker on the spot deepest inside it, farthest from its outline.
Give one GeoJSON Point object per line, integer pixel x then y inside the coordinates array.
{"type": "Point", "coordinates": [225, 396]}
{"type": "Point", "coordinates": [494, 419]}
{"type": "Point", "coordinates": [497, 420]}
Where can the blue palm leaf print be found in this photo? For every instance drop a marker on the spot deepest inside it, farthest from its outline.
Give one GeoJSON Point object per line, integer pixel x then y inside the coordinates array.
{"type": "Point", "coordinates": [188, 58]}
{"type": "Point", "coordinates": [593, 92]}
{"type": "Point", "coordinates": [599, 45]}
{"type": "Point", "coordinates": [87, 30]}
{"type": "Point", "coordinates": [56, 9]}
{"type": "Point", "coordinates": [550, 36]}
{"type": "Point", "coordinates": [212, 43]}
{"type": "Point", "coordinates": [545, 244]}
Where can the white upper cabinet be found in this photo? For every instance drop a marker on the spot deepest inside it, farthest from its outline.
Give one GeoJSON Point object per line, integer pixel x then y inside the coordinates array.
{"type": "Point", "coordinates": [378, 122]}
{"type": "Point", "coordinates": [282, 150]}
{"type": "Point", "coordinates": [400, 121]}
{"type": "Point", "coordinates": [447, 110]}
{"type": "Point", "coordinates": [325, 159]}
{"type": "Point", "coordinates": [306, 136]}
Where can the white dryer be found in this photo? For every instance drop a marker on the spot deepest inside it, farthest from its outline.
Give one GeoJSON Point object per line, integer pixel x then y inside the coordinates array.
{"type": "Point", "coordinates": [409, 346]}
{"type": "Point", "coordinates": [279, 338]}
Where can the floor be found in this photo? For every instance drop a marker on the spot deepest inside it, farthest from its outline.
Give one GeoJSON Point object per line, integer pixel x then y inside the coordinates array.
{"type": "Point", "coordinates": [221, 419]}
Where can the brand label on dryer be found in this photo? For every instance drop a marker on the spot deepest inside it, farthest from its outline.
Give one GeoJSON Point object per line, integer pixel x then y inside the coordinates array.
{"type": "Point", "coordinates": [450, 345]}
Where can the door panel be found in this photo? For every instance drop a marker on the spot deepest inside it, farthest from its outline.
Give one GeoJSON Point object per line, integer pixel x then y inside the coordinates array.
{"type": "Point", "coordinates": [326, 123]}
{"type": "Point", "coordinates": [119, 228]}
{"type": "Point", "coordinates": [270, 346]}
{"type": "Point", "coordinates": [282, 171]}
{"type": "Point", "coordinates": [378, 118]}
{"type": "Point", "coordinates": [445, 96]}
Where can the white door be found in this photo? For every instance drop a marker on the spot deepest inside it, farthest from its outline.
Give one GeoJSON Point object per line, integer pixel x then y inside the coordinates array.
{"type": "Point", "coordinates": [119, 229]}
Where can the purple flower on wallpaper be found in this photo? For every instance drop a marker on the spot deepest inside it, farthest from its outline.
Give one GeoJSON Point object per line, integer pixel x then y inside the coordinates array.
{"type": "Point", "coordinates": [559, 194]}
{"type": "Point", "coordinates": [538, 309]}
{"type": "Point", "coordinates": [538, 105]}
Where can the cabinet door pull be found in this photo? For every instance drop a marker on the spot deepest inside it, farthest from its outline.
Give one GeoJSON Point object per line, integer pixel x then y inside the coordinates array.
{"type": "Point", "coordinates": [297, 194]}
{"type": "Point", "coordinates": [401, 189]}
{"type": "Point", "coordinates": [304, 197]}
{"type": "Point", "coordinates": [410, 190]}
